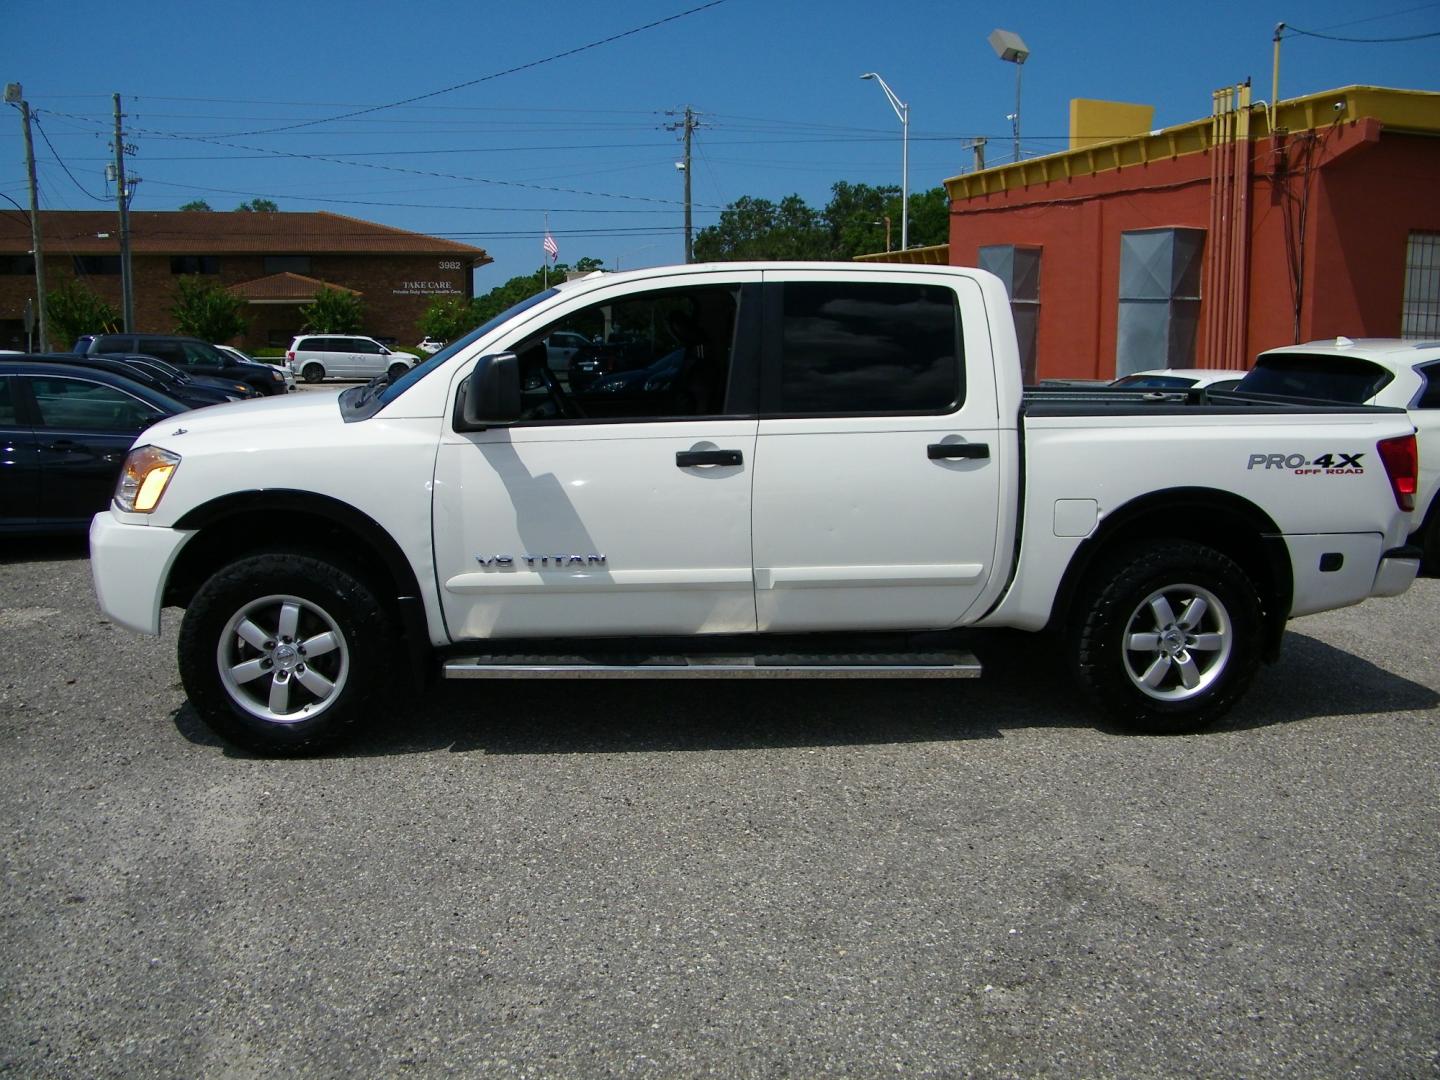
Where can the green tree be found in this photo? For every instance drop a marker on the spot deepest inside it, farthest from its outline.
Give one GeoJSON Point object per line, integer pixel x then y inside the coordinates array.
{"type": "Point", "coordinates": [333, 312]}
{"type": "Point", "coordinates": [72, 310]}
{"type": "Point", "coordinates": [257, 206]}
{"type": "Point", "coordinates": [449, 317]}
{"type": "Point", "coordinates": [523, 287]}
{"type": "Point", "coordinates": [760, 229]}
{"type": "Point", "coordinates": [197, 204]}
{"type": "Point", "coordinates": [852, 223]}
{"type": "Point", "coordinates": [205, 310]}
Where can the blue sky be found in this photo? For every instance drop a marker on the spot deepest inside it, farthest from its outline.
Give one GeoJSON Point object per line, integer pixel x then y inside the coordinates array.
{"type": "Point", "coordinates": [583, 137]}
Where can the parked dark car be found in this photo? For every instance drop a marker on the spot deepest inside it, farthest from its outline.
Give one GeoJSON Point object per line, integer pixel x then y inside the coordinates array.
{"type": "Point", "coordinates": [193, 394]}
{"type": "Point", "coordinates": [65, 430]}
{"type": "Point", "coordinates": [191, 355]}
{"type": "Point", "coordinates": [589, 363]}
{"type": "Point", "coordinates": [172, 376]}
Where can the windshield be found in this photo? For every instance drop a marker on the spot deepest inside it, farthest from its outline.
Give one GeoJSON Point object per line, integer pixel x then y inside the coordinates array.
{"type": "Point", "coordinates": [419, 371]}
{"type": "Point", "coordinates": [1154, 382]}
{"type": "Point", "coordinates": [1349, 380]}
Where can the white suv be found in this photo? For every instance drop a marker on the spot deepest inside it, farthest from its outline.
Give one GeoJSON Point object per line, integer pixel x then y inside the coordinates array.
{"type": "Point", "coordinates": [316, 357]}
{"type": "Point", "coordinates": [1371, 371]}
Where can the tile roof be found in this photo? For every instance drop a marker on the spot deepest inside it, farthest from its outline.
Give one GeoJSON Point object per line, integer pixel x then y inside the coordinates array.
{"type": "Point", "coordinates": [222, 232]}
{"type": "Point", "coordinates": [284, 287]}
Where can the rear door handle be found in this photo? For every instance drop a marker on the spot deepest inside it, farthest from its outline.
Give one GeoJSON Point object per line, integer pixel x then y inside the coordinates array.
{"type": "Point", "coordinates": [688, 459]}
{"type": "Point", "coordinates": [940, 450]}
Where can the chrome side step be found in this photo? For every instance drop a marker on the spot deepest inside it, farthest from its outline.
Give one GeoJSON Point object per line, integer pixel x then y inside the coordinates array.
{"type": "Point", "coordinates": [943, 665]}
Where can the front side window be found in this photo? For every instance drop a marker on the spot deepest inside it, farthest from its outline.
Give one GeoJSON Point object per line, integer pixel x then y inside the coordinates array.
{"type": "Point", "coordinates": [78, 405]}
{"type": "Point", "coordinates": [366, 346]}
{"type": "Point", "coordinates": [866, 348]}
{"type": "Point", "coordinates": [657, 355]}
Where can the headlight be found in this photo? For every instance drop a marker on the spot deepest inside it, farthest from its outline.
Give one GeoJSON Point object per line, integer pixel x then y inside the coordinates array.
{"type": "Point", "coordinates": [276, 375]}
{"type": "Point", "coordinates": [144, 479]}
{"type": "Point", "coordinates": [661, 383]}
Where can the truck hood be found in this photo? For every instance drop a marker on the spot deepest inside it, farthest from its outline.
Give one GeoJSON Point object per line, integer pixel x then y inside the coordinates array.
{"type": "Point", "coordinates": [246, 425]}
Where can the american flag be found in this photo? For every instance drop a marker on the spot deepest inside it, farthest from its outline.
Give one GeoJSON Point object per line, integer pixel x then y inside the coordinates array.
{"type": "Point", "coordinates": [552, 249]}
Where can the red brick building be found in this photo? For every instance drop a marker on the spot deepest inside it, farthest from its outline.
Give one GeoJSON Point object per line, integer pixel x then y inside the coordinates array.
{"type": "Point", "coordinates": [274, 261]}
{"type": "Point", "coordinates": [1203, 244]}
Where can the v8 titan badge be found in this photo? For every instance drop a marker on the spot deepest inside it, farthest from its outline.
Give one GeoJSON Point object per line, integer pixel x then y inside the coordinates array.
{"type": "Point", "coordinates": [1336, 464]}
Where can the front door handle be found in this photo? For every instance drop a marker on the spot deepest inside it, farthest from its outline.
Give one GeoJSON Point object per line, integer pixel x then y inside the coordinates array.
{"type": "Point", "coordinates": [688, 459]}
{"type": "Point", "coordinates": [940, 450]}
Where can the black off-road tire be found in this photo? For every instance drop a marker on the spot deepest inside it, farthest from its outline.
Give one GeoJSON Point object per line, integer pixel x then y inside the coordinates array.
{"type": "Point", "coordinates": [238, 640]}
{"type": "Point", "coordinates": [1120, 634]}
{"type": "Point", "coordinates": [313, 373]}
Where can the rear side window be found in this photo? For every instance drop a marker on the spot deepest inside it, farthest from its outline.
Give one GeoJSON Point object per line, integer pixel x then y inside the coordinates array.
{"type": "Point", "coordinates": [1430, 393]}
{"type": "Point", "coordinates": [7, 404]}
{"type": "Point", "coordinates": [312, 345]}
{"type": "Point", "coordinates": [1345, 379]}
{"type": "Point", "coordinates": [867, 348]}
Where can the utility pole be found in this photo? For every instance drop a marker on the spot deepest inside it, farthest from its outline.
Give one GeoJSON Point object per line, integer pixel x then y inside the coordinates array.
{"type": "Point", "coordinates": [688, 126]}
{"type": "Point", "coordinates": [122, 200]}
{"type": "Point", "coordinates": [979, 147]}
{"type": "Point", "coordinates": [14, 95]}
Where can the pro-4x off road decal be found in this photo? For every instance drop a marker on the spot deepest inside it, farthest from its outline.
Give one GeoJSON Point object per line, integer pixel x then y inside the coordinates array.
{"type": "Point", "coordinates": [1330, 464]}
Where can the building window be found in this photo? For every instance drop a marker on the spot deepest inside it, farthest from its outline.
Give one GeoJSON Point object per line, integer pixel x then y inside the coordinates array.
{"type": "Point", "coordinates": [1420, 314]}
{"type": "Point", "coordinates": [1019, 268]}
{"type": "Point", "coordinates": [194, 264]}
{"type": "Point", "coordinates": [287, 264]}
{"type": "Point", "coordinates": [17, 264]}
{"type": "Point", "coordinates": [1159, 299]}
{"type": "Point", "coordinates": [97, 264]}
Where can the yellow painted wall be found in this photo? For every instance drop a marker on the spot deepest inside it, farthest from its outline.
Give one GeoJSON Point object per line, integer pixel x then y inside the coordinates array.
{"type": "Point", "coordinates": [1094, 121]}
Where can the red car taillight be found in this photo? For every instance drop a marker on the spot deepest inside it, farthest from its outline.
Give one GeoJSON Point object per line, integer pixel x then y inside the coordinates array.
{"type": "Point", "coordinates": [290, 356]}
{"type": "Point", "coordinates": [1402, 466]}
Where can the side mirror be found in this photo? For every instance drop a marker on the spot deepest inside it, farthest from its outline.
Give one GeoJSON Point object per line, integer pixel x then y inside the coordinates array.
{"type": "Point", "coordinates": [490, 396]}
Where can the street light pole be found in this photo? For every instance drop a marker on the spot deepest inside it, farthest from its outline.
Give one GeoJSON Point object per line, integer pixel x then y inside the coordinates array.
{"type": "Point", "coordinates": [903, 112]}
{"type": "Point", "coordinates": [1009, 47]}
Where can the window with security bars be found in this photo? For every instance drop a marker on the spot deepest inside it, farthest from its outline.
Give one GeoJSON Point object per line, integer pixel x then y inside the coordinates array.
{"type": "Point", "coordinates": [1420, 312]}
{"type": "Point", "coordinates": [1019, 268]}
{"type": "Point", "coordinates": [1159, 299]}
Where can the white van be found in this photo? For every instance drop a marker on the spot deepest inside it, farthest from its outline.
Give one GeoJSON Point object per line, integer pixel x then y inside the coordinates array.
{"type": "Point", "coordinates": [316, 357]}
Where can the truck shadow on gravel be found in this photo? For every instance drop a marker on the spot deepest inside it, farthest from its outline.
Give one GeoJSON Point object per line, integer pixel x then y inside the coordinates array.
{"type": "Point", "coordinates": [1023, 687]}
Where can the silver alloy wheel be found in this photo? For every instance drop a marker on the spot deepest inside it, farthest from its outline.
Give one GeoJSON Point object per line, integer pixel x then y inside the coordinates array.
{"type": "Point", "coordinates": [1177, 642]}
{"type": "Point", "coordinates": [283, 659]}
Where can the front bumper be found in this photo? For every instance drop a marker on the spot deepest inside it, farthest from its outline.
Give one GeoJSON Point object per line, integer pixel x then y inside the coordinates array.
{"type": "Point", "coordinates": [130, 564]}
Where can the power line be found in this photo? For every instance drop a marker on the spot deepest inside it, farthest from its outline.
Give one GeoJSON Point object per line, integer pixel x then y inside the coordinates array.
{"type": "Point", "coordinates": [1355, 40]}
{"type": "Point", "coordinates": [391, 168]}
{"type": "Point", "coordinates": [495, 75]}
{"type": "Point", "coordinates": [35, 116]}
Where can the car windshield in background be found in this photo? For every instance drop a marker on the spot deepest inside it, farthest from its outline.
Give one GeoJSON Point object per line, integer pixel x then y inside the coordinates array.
{"type": "Point", "coordinates": [419, 371]}
{"type": "Point", "coordinates": [1153, 382]}
{"type": "Point", "coordinates": [1317, 376]}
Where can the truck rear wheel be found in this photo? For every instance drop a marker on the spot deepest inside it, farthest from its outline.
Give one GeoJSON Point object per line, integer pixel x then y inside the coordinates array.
{"type": "Point", "coordinates": [1166, 635]}
{"type": "Point", "coordinates": [282, 652]}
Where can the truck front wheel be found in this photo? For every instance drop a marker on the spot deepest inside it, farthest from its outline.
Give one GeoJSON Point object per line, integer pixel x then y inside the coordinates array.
{"type": "Point", "coordinates": [283, 652]}
{"type": "Point", "coordinates": [1166, 635]}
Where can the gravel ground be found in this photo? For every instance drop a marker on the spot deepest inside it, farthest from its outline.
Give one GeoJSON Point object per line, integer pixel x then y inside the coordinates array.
{"type": "Point", "coordinates": [743, 879]}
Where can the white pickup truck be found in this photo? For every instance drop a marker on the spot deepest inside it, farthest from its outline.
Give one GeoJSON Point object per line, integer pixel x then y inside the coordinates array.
{"type": "Point", "coordinates": [792, 470]}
